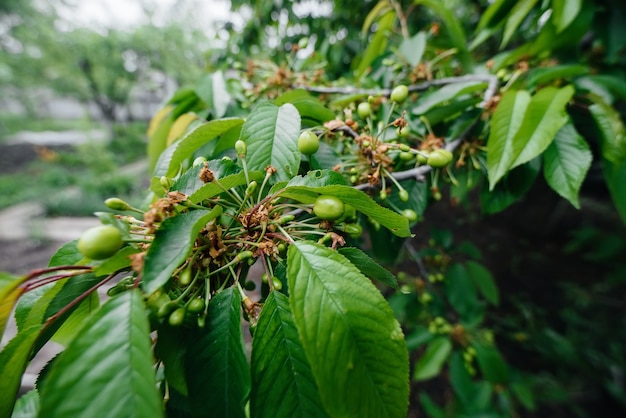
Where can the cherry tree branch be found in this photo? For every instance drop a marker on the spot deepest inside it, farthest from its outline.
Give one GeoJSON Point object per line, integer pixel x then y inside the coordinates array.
{"type": "Point", "coordinates": [488, 78]}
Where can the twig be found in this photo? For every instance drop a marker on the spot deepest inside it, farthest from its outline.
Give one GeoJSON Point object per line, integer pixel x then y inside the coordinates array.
{"type": "Point", "coordinates": [488, 78]}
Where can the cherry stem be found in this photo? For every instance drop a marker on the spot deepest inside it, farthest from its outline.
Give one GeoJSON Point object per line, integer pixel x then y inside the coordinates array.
{"type": "Point", "coordinates": [79, 299]}
{"type": "Point", "coordinates": [36, 281]}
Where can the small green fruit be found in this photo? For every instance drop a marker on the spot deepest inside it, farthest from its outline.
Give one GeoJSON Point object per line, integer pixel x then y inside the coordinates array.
{"type": "Point", "coordinates": [308, 143]}
{"type": "Point", "coordinates": [278, 285]}
{"type": "Point", "coordinates": [328, 208]}
{"type": "Point", "coordinates": [100, 242]}
{"type": "Point", "coordinates": [116, 203]}
{"type": "Point", "coordinates": [354, 230]}
{"type": "Point", "coordinates": [399, 94]}
{"type": "Point", "coordinates": [439, 158]}
{"type": "Point", "coordinates": [196, 305]}
{"type": "Point", "coordinates": [241, 148]}
{"type": "Point", "coordinates": [177, 317]}
{"type": "Point", "coordinates": [364, 110]}
{"type": "Point", "coordinates": [199, 161]}
{"type": "Point", "coordinates": [404, 132]}
{"type": "Point", "coordinates": [410, 215]}
{"type": "Point", "coordinates": [349, 214]}
{"type": "Point", "coordinates": [403, 195]}
{"type": "Point", "coordinates": [422, 158]}
{"type": "Point", "coordinates": [406, 156]}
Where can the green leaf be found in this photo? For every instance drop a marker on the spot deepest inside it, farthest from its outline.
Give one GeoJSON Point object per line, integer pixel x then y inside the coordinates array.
{"type": "Point", "coordinates": [318, 178]}
{"type": "Point", "coordinates": [308, 106]}
{"type": "Point", "coordinates": [612, 132]}
{"type": "Point", "coordinates": [566, 162]}
{"type": "Point", "coordinates": [170, 160]}
{"type": "Point", "coordinates": [484, 281]}
{"type": "Point", "coordinates": [75, 321]}
{"type": "Point", "coordinates": [395, 222]}
{"type": "Point", "coordinates": [512, 187]}
{"type": "Point", "coordinates": [55, 300]}
{"type": "Point", "coordinates": [445, 94]}
{"type": "Point", "coordinates": [491, 363]}
{"type": "Point", "coordinates": [218, 376]}
{"type": "Point", "coordinates": [157, 140]}
{"type": "Point", "coordinates": [608, 87]}
{"type": "Point", "coordinates": [27, 406]}
{"type": "Point", "coordinates": [171, 349]}
{"type": "Point", "coordinates": [108, 367]}
{"type": "Point", "coordinates": [523, 390]}
{"type": "Point", "coordinates": [539, 76]}
{"type": "Point", "coordinates": [462, 293]}
{"type": "Point", "coordinates": [119, 261]}
{"type": "Point", "coordinates": [282, 381]}
{"type": "Point", "coordinates": [505, 122]}
{"type": "Point", "coordinates": [271, 134]}
{"type": "Point", "coordinates": [430, 363]}
{"type": "Point", "coordinates": [453, 28]}
{"type": "Point", "coordinates": [212, 189]}
{"type": "Point", "coordinates": [615, 176]}
{"type": "Point", "coordinates": [564, 12]}
{"type": "Point", "coordinates": [412, 49]}
{"type": "Point", "coordinates": [452, 110]}
{"type": "Point", "coordinates": [544, 117]}
{"type": "Point", "coordinates": [518, 14]}
{"type": "Point", "coordinates": [67, 255]}
{"type": "Point", "coordinates": [9, 294]}
{"type": "Point", "coordinates": [418, 196]}
{"type": "Point", "coordinates": [172, 243]}
{"type": "Point", "coordinates": [212, 90]}
{"type": "Point", "coordinates": [227, 171]}
{"type": "Point", "coordinates": [14, 358]}
{"type": "Point", "coordinates": [353, 343]}
{"type": "Point", "coordinates": [382, 7]}
{"type": "Point", "coordinates": [369, 267]}
{"type": "Point", "coordinates": [460, 380]}
{"type": "Point", "coordinates": [494, 14]}
{"type": "Point", "coordinates": [377, 44]}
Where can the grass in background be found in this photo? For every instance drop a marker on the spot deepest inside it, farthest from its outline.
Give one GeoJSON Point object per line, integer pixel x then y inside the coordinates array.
{"type": "Point", "coordinates": [76, 182]}
{"type": "Point", "coordinates": [11, 124]}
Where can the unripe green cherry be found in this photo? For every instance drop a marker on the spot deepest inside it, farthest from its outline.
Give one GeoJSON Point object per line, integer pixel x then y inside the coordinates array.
{"type": "Point", "coordinates": [354, 230]}
{"type": "Point", "coordinates": [116, 203]}
{"type": "Point", "coordinates": [421, 158]}
{"type": "Point", "coordinates": [241, 148]}
{"type": "Point", "coordinates": [177, 317]}
{"type": "Point", "coordinates": [399, 94]}
{"type": "Point", "coordinates": [410, 215]}
{"type": "Point", "coordinates": [166, 309]}
{"type": "Point", "coordinates": [403, 195]}
{"type": "Point", "coordinates": [406, 156]}
{"type": "Point", "coordinates": [100, 242]}
{"type": "Point", "coordinates": [328, 208]}
{"type": "Point", "coordinates": [404, 132]}
{"type": "Point", "coordinates": [364, 110]}
{"type": "Point", "coordinates": [196, 305]}
{"type": "Point", "coordinates": [199, 161]}
{"type": "Point", "coordinates": [308, 143]}
{"type": "Point", "coordinates": [278, 285]}
{"type": "Point", "coordinates": [349, 214]}
{"type": "Point", "coordinates": [439, 158]}
{"type": "Point", "coordinates": [251, 188]}
{"type": "Point", "coordinates": [166, 182]}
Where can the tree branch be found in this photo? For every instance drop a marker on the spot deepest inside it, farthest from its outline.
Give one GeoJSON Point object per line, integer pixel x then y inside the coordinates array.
{"type": "Point", "coordinates": [488, 78]}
